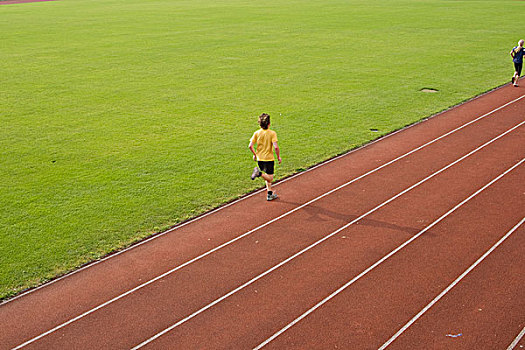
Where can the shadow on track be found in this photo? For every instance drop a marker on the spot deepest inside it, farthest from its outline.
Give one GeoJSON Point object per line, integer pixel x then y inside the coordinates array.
{"type": "Point", "coordinates": [319, 214]}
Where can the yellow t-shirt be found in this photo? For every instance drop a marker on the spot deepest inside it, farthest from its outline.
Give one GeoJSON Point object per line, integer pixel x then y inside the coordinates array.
{"type": "Point", "coordinates": [264, 140]}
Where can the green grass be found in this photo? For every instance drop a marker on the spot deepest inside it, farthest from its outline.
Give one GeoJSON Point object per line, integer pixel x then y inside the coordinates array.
{"type": "Point", "coordinates": [120, 118]}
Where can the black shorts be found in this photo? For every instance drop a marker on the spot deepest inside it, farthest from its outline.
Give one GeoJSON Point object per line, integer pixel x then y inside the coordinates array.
{"type": "Point", "coordinates": [518, 67]}
{"type": "Point", "coordinates": [266, 167]}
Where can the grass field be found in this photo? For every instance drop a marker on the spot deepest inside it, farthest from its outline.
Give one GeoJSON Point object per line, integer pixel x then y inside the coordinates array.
{"type": "Point", "coordinates": [120, 118]}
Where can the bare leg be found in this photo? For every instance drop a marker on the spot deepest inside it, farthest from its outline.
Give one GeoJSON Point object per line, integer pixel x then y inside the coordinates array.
{"type": "Point", "coordinates": [268, 179]}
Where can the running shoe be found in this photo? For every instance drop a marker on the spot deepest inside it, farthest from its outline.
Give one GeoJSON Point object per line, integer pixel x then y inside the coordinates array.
{"type": "Point", "coordinates": [271, 197]}
{"type": "Point", "coordinates": [256, 173]}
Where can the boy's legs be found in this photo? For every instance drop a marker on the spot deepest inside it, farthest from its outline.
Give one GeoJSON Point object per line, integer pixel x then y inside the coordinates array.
{"type": "Point", "coordinates": [267, 170]}
{"type": "Point", "coordinates": [268, 179]}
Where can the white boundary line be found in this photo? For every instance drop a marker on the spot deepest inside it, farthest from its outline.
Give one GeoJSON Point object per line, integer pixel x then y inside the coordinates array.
{"type": "Point", "coordinates": [325, 238]}
{"type": "Point", "coordinates": [517, 340]}
{"type": "Point", "coordinates": [446, 290]}
{"type": "Point", "coordinates": [380, 261]}
{"type": "Point", "coordinates": [112, 255]}
{"type": "Point", "coordinates": [278, 183]}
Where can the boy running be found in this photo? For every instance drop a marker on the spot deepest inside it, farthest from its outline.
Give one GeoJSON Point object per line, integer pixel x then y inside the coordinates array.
{"type": "Point", "coordinates": [266, 141]}
{"type": "Point", "coordinates": [517, 54]}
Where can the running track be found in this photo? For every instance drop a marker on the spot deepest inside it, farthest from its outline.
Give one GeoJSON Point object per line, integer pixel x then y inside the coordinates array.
{"type": "Point", "coordinates": [416, 241]}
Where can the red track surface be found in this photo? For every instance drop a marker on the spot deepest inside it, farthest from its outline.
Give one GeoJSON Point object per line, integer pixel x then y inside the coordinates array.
{"type": "Point", "coordinates": [315, 269]}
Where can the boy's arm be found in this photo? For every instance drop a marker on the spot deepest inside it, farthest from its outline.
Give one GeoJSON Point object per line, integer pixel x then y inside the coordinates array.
{"type": "Point", "coordinates": [250, 146]}
{"type": "Point", "coordinates": [276, 146]}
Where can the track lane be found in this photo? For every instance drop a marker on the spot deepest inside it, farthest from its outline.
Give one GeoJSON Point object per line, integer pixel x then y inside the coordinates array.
{"type": "Point", "coordinates": [486, 307]}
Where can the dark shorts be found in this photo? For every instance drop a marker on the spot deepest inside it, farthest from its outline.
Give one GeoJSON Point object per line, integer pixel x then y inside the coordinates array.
{"type": "Point", "coordinates": [518, 67]}
{"type": "Point", "coordinates": [266, 167]}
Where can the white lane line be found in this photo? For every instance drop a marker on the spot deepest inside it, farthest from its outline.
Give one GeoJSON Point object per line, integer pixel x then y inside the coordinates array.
{"type": "Point", "coordinates": [517, 340]}
{"type": "Point", "coordinates": [324, 239]}
{"type": "Point", "coordinates": [446, 290]}
{"type": "Point", "coordinates": [261, 190]}
{"type": "Point", "coordinates": [380, 261]}
{"type": "Point", "coordinates": [246, 234]}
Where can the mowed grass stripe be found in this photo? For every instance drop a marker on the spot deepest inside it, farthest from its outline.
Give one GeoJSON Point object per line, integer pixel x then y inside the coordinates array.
{"type": "Point", "coordinates": [122, 118]}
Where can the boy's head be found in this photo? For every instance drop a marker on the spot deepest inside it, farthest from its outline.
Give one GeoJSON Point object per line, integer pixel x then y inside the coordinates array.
{"type": "Point", "coordinates": [520, 43]}
{"type": "Point", "coordinates": [264, 120]}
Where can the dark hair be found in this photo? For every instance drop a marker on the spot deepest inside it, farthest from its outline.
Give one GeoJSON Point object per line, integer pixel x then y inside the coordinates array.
{"type": "Point", "coordinates": [264, 120]}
